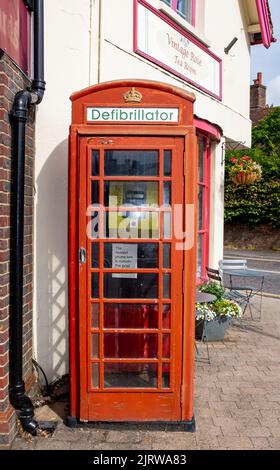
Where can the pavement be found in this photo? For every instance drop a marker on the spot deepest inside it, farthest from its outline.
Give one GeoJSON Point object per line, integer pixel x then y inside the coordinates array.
{"type": "Point", "coordinates": [266, 261]}
{"type": "Point", "coordinates": [237, 400]}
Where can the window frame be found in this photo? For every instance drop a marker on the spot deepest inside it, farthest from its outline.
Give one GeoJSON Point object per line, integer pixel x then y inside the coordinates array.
{"type": "Point", "coordinates": [173, 5]}
{"type": "Point", "coordinates": [205, 184]}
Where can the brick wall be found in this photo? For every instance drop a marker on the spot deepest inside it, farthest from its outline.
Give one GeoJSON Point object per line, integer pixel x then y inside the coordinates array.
{"type": "Point", "coordinates": [11, 81]}
{"type": "Point", "coordinates": [257, 114]}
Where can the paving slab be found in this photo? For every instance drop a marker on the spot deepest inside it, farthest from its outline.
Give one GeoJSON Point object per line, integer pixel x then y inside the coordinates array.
{"type": "Point", "coordinates": [237, 400]}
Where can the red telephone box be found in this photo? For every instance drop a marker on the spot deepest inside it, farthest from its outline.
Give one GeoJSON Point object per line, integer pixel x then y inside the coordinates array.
{"type": "Point", "coordinates": [132, 180]}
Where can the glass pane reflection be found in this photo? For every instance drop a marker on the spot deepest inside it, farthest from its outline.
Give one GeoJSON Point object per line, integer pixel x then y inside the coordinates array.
{"type": "Point", "coordinates": [130, 375]}
{"type": "Point", "coordinates": [166, 286]}
{"type": "Point", "coordinates": [166, 376]}
{"type": "Point", "coordinates": [95, 375]}
{"type": "Point", "coordinates": [131, 345]}
{"type": "Point", "coordinates": [131, 316]}
{"type": "Point", "coordinates": [94, 315]}
{"type": "Point", "coordinates": [135, 286]}
{"type": "Point", "coordinates": [131, 193]}
{"type": "Point", "coordinates": [131, 162]}
{"type": "Point", "coordinates": [95, 162]}
{"type": "Point", "coordinates": [167, 192]}
{"type": "Point", "coordinates": [167, 163]}
{"type": "Point", "coordinates": [166, 256]}
{"type": "Point", "coordinates": [131, 255]}
{"type": "Point", "coordinates": [128, 225]}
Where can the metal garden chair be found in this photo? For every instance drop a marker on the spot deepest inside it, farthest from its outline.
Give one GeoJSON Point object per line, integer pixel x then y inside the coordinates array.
{"type": "Point", "coordinates": [244, 291]}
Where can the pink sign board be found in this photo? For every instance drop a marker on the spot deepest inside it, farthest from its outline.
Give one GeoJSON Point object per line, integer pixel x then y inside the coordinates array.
{"type": "Point", "coordinates": [160, 40]}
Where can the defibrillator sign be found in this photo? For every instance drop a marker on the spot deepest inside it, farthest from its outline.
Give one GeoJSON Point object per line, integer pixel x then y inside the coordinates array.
{"type": "Point", "coordinates": [159, 115]}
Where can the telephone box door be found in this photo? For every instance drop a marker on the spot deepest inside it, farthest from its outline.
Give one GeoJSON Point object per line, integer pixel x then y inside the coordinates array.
{"type": "Point", "coordinates": [130, 278]}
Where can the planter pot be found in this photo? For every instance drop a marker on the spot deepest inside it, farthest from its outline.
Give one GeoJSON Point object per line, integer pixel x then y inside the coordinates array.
{"type": "Point", "coordinates": [215, 329]}
{"type": "Point", "coordinates": [244, 179]}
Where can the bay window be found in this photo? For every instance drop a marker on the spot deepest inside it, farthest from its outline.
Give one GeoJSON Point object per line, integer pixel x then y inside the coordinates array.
{"type": "Point", "coordinates": [203, 207]}
{"type": "Point", "coordinates": [185, 8]}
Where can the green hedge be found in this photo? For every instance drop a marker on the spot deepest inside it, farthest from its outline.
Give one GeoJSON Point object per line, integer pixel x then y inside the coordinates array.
{"type": "Point", "coordinates": [255, 204]}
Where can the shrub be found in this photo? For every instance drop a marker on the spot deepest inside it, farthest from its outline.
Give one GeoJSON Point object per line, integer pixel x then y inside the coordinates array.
{"type": "Point", "coordinates": [212, 287]}
{"type": "Point", "coordinates": [226, 308]}
{"type": "Point", "coordinates": [219, 308]}
{"type": "Point", "coordinates": [255, 204]}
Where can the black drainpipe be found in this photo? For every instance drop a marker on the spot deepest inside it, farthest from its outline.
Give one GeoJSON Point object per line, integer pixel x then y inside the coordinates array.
{"type": "Point", "coordinates": [22, 103]}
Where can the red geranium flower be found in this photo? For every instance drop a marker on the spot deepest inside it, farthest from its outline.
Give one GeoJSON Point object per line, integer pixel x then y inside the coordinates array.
{"type": "Point", "coordinates": [245, 158]}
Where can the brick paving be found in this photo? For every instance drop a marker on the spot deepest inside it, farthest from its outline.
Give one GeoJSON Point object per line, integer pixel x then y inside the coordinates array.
{"type": "Point", "coordinates": [237, 400]}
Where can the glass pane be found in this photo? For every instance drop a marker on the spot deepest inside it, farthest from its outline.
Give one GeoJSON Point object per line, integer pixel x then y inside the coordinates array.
{"type": "Point", "coordinates": [167, 192]}
{"type": "Point", "coordinates": [167, 162]}
{"type": "Point", "coordinates": [94, 346]}
{"type": "Point", "coordinates": [131, 316]}
{"type": "Point", "coordinates": [181, 7]}
{"type": "Point", "coordinates": [138, 286]}
{"type": "Point", "coordinates": [166, 256]}
{"type": "Point", "coordinates": [166, 286]}
{"type": "Point", "coordinates": [131, 163]}
{"type": "Point", "coordinates": [94, 285]}
{"type": "Point", "coordinates": [165, 375]}
{"type": "Point", "coordinates": [131, 193]}
{"type": "Point", "coordinates": [95, 375]}
{"type": "Point", "coordinates": [166, 316]}
{"type": "Point", "coordinates": [168, 2]}
{"type": "Point", "coordinates": [130, 345]}
{"type": "Point", "coordinates": [94, 192]}
{"type": "Point", "coordinates": [95, 255]}
{"type": "Point", "coordinates": [131, 255]}
{"type": "Point", "coordinates": [94, 315]}
{"type": "Point", "coordinates": [200, 207]}
{"type": "Point", "coordinates": [166, 346]}
{"type": "Point", "coordinates": [93, 229]}
{"type": "Point", "coordinates": [167, 225]}
{"type": "Point", "coordinates": [95, 163]}
{"type": "Point", "coordinates": [199, 256]}
{"type": "Point", "coordinates": [200, 160]}
{"type": "Point", "coordinates": [130, 375]}
{"type": "Point", "coordinates": [129, 225]}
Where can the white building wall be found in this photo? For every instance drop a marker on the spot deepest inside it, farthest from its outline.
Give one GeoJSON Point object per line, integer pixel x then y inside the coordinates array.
{"type": "Point", "coordinates": [78, 53]}
{"type": "Point", "coordinates": [67, 65]}
{"type": "Point", "coordinates": [216, 230]}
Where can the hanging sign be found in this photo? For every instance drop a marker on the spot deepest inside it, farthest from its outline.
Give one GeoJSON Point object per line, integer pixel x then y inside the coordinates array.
{"type": "Point", "coordinates": [166, 44]}
{"type": "Point", "coordinates": [124, 256]}
{"type": "Point", "coordinates": [159, 115]}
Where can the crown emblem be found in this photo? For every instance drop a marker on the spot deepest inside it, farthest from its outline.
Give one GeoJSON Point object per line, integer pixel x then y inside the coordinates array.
{"type": "Point", "coordinates": [133, 96]}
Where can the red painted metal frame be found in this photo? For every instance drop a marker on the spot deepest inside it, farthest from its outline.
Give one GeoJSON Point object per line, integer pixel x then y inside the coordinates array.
{"type": "Point", "coordinates": [100, 404]}
{"type": "Point", "coordinates": [80, 132]}
{"type": "Point", "coordinates": [184, 33]}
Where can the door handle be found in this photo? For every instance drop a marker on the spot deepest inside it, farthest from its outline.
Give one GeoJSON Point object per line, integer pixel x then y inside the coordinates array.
{"type": "Point", "coordinates": [82, 255]}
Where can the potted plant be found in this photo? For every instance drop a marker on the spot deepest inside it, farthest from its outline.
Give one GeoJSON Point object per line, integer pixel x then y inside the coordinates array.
{"type": "Point", "coordinates": [216, 316]}
{"type": "Point", "coordinates": [243, 170]}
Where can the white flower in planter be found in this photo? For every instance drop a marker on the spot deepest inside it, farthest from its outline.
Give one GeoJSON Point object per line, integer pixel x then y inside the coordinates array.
{"type": "Point", "coordinates": [204, 312]}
